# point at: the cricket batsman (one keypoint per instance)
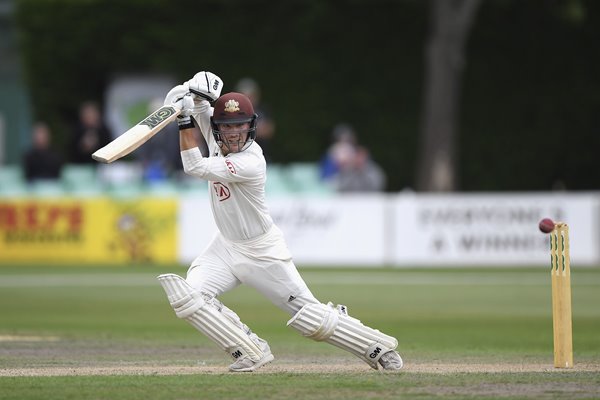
(248, 247)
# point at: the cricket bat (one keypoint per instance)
(136, 136)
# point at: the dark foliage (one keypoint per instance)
(530, 96)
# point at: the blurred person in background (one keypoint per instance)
(265, 125)
(343, 143)
(160, 155)
(89, 134)
(41, 160)
(248, 247)
(359, 173)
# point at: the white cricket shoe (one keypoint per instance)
(391, 361)
(245, 364)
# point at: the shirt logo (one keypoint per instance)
(232, 106)
(221, 191)
(230, 166)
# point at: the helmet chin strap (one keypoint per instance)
(242, 145)
(224, 144)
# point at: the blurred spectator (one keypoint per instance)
(341, 149)
(160, 156)
(88, 135)
(359, 173)
(265, 125)
(41, 161)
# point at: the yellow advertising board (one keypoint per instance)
(88, 231)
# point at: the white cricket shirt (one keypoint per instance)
(236, 183)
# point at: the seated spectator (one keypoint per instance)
(343, 139)
(359, 173)
(89, 134)
(160, 156)
(41, 161)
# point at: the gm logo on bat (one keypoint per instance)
(158, 116)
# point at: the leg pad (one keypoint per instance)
(189, 305)
(324, 322)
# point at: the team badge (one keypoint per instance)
(232, 106)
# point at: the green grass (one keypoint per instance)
(304, 386)
(111, 317)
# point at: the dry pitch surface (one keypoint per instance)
(53, 356)
(287, 367)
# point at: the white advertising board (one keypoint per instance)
(491, 229)
(415, 229)
(196, 226)
(318, 231)
(340, 231)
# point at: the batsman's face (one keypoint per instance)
(234, 136)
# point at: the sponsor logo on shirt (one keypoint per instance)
(230, 166)
(222, 191)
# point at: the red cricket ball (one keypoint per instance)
(546, 225)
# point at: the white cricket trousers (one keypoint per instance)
(263, 263)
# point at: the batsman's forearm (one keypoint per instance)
(187, 139)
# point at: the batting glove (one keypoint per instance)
(180, 98)
(206, 85)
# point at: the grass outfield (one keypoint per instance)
(109, 333)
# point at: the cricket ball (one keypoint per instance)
(546, 225)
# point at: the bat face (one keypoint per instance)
(136, 136)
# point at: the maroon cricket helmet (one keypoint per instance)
(233, 108)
